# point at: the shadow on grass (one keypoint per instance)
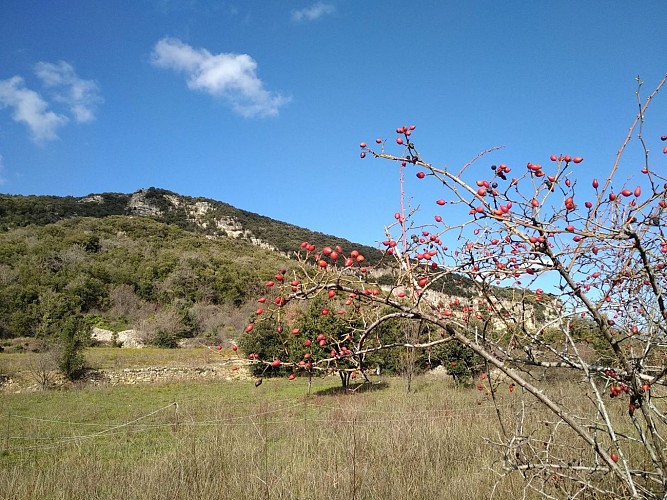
(352, 389)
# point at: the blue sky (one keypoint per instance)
(263, 104)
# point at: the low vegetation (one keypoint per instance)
(232, 440)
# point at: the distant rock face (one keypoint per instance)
(201, 213)
(138, 205)
(198, 212)
(126, 338)
(96, 198)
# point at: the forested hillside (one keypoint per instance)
(198, 215)
(121, 271)
(167, 265)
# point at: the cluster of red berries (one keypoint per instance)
(566, 158)
(405, 130)
(330, 255)
(618, 389)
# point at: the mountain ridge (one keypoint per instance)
(172, 266)
(200, 215)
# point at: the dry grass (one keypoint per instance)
(234, 441)
(110, 357)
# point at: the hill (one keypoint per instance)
(197, 215)
(172, 266)
(168, 265)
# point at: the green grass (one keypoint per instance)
(205, 439)
(232, 440)
(110, 357)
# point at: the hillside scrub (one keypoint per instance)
(122, 271)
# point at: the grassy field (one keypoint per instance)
(232, 440)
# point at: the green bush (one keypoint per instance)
(73, 338)
(459, 361)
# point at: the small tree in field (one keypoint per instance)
(72, 341)
(509, 231)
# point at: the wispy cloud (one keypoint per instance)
(63, 85)
(313, 12)
(230, 76)
(81, 96)
(31, 109)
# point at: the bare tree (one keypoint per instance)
(597, 244)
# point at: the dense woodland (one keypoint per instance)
(169, 274)
(119, 271)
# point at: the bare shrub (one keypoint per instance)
(598, 246)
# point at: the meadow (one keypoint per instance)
(233, 440)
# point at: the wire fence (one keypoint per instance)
(283, 412)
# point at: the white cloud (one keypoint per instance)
(231, 76)
(64, 86)
(31, 109)
(79, 95)
(313, 12)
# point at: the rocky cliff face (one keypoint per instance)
(201, 214)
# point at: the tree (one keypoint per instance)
(72, 341)
(600, 245)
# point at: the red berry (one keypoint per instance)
(399, 140)
(421, 175)
(235, 348)
(362, 145)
